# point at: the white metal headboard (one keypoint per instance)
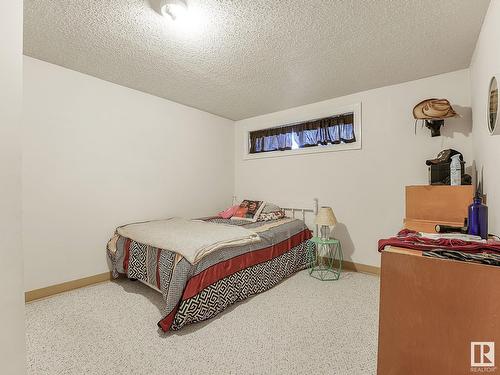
(301, 211)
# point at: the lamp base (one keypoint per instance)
(325, 232)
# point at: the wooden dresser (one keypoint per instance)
(430, 312)
(427, 206)
(432, 309)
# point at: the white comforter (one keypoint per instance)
(193, 239)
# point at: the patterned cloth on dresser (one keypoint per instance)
(482, 258)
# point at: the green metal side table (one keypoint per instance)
(324, 258)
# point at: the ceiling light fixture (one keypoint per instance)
(173, 8)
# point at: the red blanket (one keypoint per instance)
(409, 239)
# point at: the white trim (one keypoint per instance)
(354, 108)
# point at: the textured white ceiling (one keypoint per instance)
(241, 58)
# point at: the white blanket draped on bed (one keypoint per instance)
(193, 239)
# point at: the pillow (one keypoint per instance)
(275, 215)
(228, 213)
(248, 210)
(271, 207)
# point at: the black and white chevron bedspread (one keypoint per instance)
(194, 293)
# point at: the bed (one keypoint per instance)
(199, 291)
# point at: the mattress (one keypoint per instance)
(194, 293)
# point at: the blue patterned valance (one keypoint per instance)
(328, 130)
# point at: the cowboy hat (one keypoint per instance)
(434, 109)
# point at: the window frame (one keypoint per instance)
(354, 108)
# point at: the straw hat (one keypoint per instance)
(434, 109)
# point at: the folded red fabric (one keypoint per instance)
(409, 239)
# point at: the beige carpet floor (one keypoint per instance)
(302, 326)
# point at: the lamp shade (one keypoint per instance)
(326, 216)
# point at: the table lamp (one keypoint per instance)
(326, 220)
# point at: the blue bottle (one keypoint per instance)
(478, 218)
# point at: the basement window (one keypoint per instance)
(336, 132)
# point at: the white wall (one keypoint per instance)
(12, 349)
(486, 63)
(365, 187)
(98, 155)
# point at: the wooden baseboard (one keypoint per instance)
(362, 268)
(33, 295)
(36, 294)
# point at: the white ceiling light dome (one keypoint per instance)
(173, 8)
